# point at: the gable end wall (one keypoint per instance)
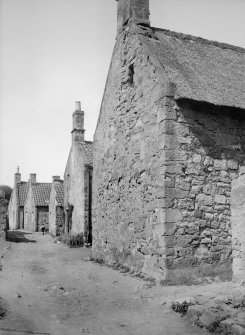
(125, 159)
(163, 175)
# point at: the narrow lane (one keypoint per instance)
(51, 289)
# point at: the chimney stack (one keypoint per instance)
(78, 124)
(17, 176)
(33, 178)
(138, 10)
(56, 179)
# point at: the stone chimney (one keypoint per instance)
(78, 124)
(138, 10)
(33, 178)
(17, 176)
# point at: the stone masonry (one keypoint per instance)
(3, 213)
(164, 167)
(56, 207)
(78, 180)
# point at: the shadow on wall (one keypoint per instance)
(18, 237)
(218, 129)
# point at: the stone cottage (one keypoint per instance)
(78, 180)
(169, 152)
(56, 207)
(36, 208)
(17, 202)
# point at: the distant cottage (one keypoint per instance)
(28, 207)
(78, 180)
(169, 153)
(17, 202)
(56, 207)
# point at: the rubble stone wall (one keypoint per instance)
(60, 220)
(3, 213)
(13, 210)
(42, 217)
(56, 217)
(204, 152)
(52, 212)
(124, 164)
(88, 173)
(163, 172)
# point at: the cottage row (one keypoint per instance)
(168, 155)
(61, 206)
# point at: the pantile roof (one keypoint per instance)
(59, 192)
(198, 69)
(41, 193)
(87, 147)
(22, 192)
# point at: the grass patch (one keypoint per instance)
(196, 276)
(73, 241)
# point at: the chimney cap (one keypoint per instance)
(56, 178)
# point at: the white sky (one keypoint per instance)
(54, 52)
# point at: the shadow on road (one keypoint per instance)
(18, 237)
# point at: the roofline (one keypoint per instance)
(200, 39)
(222, 108)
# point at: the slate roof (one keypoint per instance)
(87, 147)
(22, 192)
(59, 191)
(199, 69)
(41, 193)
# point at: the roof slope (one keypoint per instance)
(59, 193)
(22, 192)
(87, 148)
(41, 193)
(200, 69)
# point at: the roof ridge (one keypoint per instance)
(221, 45)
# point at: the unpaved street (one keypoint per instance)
(51, 289)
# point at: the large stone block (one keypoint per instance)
(168, 215)
(164, 228)
(220, 199)
(204, 199)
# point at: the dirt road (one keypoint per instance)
(51, 289)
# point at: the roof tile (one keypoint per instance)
(87, 147)
(22, 191)
(41, 193)
(59, 190)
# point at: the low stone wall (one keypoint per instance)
(3, 214)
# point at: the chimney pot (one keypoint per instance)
(17, 176)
